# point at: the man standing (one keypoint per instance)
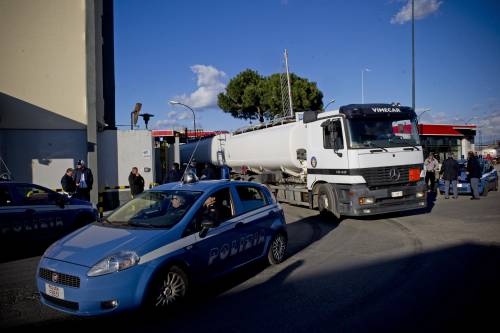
(136, 182)
(430, 165)
(68, 183)
(474, 173)
(84, 181)
(174, 175)
(450, 174)
(207, 173)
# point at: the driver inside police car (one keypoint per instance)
(177, 201)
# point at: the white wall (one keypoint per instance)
(119, 151)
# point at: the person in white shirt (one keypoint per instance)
(431, 165)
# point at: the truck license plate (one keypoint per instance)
(397, 194)
(54, 291)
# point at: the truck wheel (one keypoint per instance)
(326, 199)
(277, 248)
(169, 289)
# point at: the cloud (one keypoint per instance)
(210, 84)
(175, 120)
(423, 8)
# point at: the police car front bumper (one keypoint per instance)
(110, 293)
(359, 200)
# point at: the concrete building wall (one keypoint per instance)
(42, 161)
(52, 86)
(43, 67)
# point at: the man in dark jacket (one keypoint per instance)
(174, 175)
(68, 183)
(474, 173)
(136, 182)
(207, 173)
(450, 174)
(84, 181)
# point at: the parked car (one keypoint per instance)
(151, 250)
(487, 182)
(32, 215)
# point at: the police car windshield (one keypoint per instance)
(382, 132)
(154, 209)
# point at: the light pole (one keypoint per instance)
(332, 101)
(413, 54)
(421, 113)
(363, 84)
(475, 117)
(194, 115)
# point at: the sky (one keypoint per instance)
(189, 50)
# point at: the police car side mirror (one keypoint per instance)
(206, 224)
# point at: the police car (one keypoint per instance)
(151, 250)
(31, 214)
(487, 182)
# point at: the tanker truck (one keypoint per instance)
(363, 159)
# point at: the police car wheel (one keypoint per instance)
(277, 248)
(170, 288)
(485, 191)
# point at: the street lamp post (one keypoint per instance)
(421, 113)
(332, 101)
(194, 115)
(475, 117)
(363, 84)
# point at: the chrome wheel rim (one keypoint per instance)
(279, 247)
(173, 288)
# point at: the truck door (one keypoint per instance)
(328, 158)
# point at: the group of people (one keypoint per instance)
(450, 172)
(175, 174)
(78, 183)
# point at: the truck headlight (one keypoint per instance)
(366, 200)
(114, 263)
(420, 194)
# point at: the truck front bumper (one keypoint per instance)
(359, 200)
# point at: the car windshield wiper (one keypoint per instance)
(375, 145)
(146, 225)
(406, 142)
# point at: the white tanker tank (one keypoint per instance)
(271, 149)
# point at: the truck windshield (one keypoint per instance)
(154, 209)
(383, 133)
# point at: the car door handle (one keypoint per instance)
(239, 225)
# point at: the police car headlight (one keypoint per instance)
(114, 263)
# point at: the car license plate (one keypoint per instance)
(397, 194)
(54, 291)
(459, 185)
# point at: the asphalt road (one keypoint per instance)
(434, 270)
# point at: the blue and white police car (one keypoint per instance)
(153, 248)
(487, 182)
(33, 215)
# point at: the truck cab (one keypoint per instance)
(369, 162)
